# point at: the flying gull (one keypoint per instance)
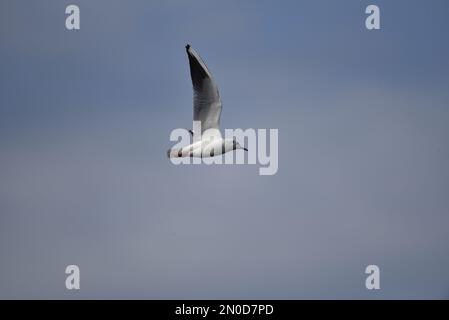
(207, 111)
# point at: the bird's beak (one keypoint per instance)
(245, 149)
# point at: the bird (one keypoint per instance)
(207, 110)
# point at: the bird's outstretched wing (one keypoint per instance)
(206, 99)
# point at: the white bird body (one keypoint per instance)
(204, 148)
(206, 110)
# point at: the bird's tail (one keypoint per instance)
(174, 153)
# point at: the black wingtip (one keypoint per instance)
(187, 46)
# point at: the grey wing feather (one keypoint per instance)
(206, 99)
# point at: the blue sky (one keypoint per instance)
(85, 119)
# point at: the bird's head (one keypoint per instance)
(236, 145)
